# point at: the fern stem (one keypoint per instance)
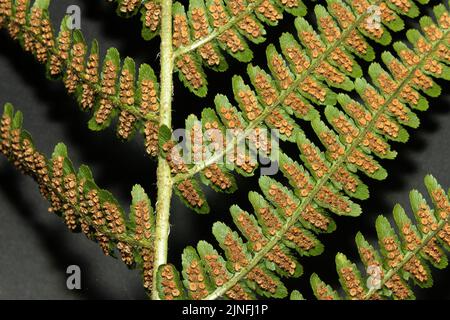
(320, 183)
(408, 256)
(268, 110)
(217, 31)
(164, 179)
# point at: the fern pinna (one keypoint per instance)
(404, 256)
(312, 79)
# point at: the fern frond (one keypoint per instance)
(271, 104)
(111, 92)
(402, 255)
(74, 195)
(322, 177)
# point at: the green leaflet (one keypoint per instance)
(403, 253)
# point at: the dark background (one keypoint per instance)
(35, 246)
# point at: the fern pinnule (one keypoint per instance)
(403, 254)
(83, 205)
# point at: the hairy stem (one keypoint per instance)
(408, 256)
(321, 182)
(164, 179)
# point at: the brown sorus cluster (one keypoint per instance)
(443, 52)
(235, 252)
(83, 209)
(356, 42)
(344, 16)
(127, 6)
(232, 118)
(20, 18)
(283, 200)
(200, 30)
(298, 58)
(334, 148)
(152, 15)
(5, 10)
(386, 13)
(268, 10)
(56, 60)
(250, 104)
(281, 71)
(375, 29)
(423, 46)
(403, 5)
(290, 3)
(342, 59)
(188, 68)
(282, 260)
(314, 217)
(296, 235)
(169, 286)
(247, 24)
(217, 177)
(220, 18)
(71, 195)
(363, 161)
(143, 231)
(353, 284)
(313, 88)
(302, 184)
(189, 193)
(422, 80)
(5, 129)
(196, 278)
(151, 138)
(220, 277)
(91, 78)
(348, 129)
(57, 181)
(313, 158)
(410, 95)
(314, 44)
(296, 104)
(346, 179)
(30, 44)
(108, 89)
(214, 135)
(258, 138)
(442, 203)
(358, 113)
(329, 72)
(387, 127)
(196, 143)
(444, 20)
(433, 66)
(262, 279)
(48, 42)
(180, 31)
(126, 119)
(149, 97)
(277, 120)
(270, 220)
(330, 30)
(375, 101)
(375, 143)
(267, 90)
(116, 225)
(323, 292)
(174, 158)
(325, 195)
(428, 224)
(98, 218)
(399, 70)
(75, 67)
(368, 258)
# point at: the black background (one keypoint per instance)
(35, 246)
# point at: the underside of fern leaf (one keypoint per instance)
(403, 256)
